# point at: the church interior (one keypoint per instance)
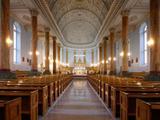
(79, 59)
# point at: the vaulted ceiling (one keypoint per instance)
(80, 23)
(79, 20)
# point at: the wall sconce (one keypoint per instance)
(37, 53)
(102, 62)
(150, 42)
(129, 54)
(109, 59)
(30, 53)
(122, 54)
(9, 42)
(114, 59)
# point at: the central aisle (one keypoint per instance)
(79, 102)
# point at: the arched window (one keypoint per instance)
(16, 43)
(143, 44)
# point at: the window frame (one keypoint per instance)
(143, 44)
(16, 43)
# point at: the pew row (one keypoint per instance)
(128, 103)
(29, 102)
(42, 95)
(109, 88)
(10, 108)
(48, 87)
(147, 109)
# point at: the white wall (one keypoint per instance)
(134, 38)
(26, 35)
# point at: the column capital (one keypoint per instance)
(105, 38)
(100, 44)
(58, 44)
(46, 29)
(125, 12)
(34, 12)
(112, 30)
(54, 38)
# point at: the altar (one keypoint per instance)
(80, 68)
(79, 71)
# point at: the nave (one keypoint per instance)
(112, 45)
(79, 102)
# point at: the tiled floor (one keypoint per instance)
(79, 102)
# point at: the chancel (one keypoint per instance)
(79, 59)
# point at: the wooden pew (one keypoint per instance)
(147, 110)
(56, 84)
(109, 88)
(108, 91)
(38, 82)
(42, 94)
(10, 108)
(60, 82)
(21, 74)
(115, 95)
(137, 75)
(128, 103)
(29, 102)
(102, 89)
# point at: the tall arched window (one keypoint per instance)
(16, 43)
(143, 44)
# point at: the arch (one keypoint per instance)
(55, 1)
(17, 26)
(78, 21)
(84, 12)
(16, 43)
(74, 9)
(143, 31)
(93, 30)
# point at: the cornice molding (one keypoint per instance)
(42, 5)
(46, 29)
(125, 12)
(33, 12)
(116, 8)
